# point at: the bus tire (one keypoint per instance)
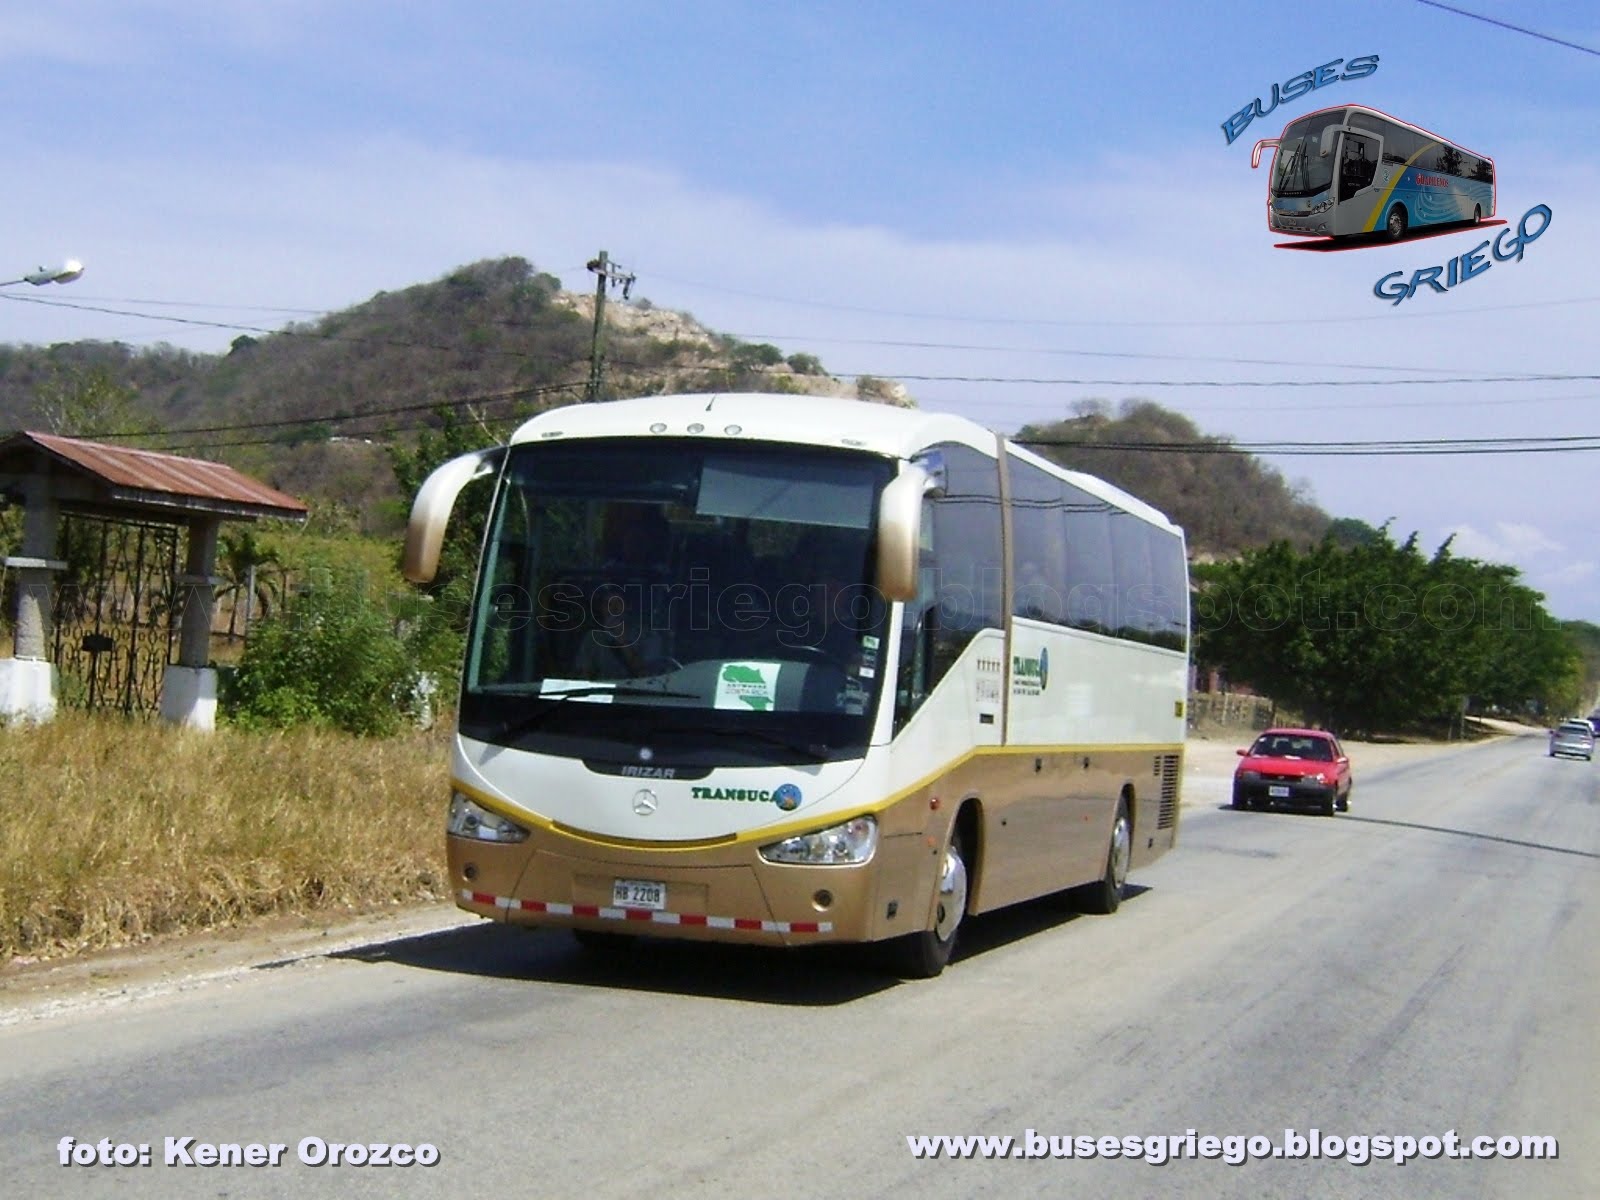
(1477, 214)
(1104, 896)
(924, 955)
(1394, 225)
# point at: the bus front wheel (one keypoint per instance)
(1395, 226)
(924, 955)
(1104, 896)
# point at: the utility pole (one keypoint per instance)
(608, 274)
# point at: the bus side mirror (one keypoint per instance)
(1255, 152)
(900, 533)
(430, 512)
(1328, 135)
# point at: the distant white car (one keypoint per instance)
(1572, 738)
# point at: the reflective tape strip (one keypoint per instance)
(556, 909)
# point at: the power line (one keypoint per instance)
(1214, 383)
(1138, 355)
(316, 335)
(1411, 449)
(211, 304)
(353, 415)
(1091, 322)
(1507, 25)
(1074, 353)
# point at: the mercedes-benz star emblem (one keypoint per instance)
(644, 802)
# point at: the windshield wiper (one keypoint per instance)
(529, 719)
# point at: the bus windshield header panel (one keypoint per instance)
(708, 601)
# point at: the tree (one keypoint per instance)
(90, 402)
(1376, 635)
(239, 559)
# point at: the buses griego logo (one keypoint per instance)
(1297, 86)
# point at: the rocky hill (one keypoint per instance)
(319, 408)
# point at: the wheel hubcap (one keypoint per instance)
(1121, 851)
(952, 895)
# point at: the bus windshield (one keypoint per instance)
(1300, 169)
(684, 602)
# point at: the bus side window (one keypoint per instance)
(967, 554)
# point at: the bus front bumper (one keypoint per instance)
(728, 895)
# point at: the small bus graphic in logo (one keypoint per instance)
(786, 796)
(1353, 171)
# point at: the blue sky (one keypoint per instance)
(1037, 190)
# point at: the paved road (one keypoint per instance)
(1428, 962)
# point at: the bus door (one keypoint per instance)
(1357, 180)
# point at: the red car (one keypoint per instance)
(1294, 766)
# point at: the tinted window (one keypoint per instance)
(1091, 585)
(1169, 578)
(967, 553)
(1039, 541)
(1370, 124)
(1399, 145)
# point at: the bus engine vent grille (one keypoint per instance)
(1168, 815)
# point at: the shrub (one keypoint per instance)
(333, 659)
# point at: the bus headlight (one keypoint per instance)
(469, 819)
(853, 841)
(1325, 206)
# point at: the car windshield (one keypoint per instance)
(1282, 745)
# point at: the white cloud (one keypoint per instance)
(1509, 542)
(327, 224)
(1572, 573)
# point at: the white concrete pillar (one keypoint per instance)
(28, 680)
(189, 689)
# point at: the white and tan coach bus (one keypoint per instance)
(765, 669)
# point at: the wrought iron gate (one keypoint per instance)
(116, 613)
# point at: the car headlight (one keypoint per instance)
(1250, 776)
(850, 842)
(470, 819)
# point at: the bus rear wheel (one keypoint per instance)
(924, 955)
(1395, 226)
(1104, 896)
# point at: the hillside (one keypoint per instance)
(316, 408)
(1225, 501)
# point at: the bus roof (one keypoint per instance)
(1380, 115)
(763, 416)
(804, 420)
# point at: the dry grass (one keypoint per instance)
(112, 831)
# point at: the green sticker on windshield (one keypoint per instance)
(748, 685)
